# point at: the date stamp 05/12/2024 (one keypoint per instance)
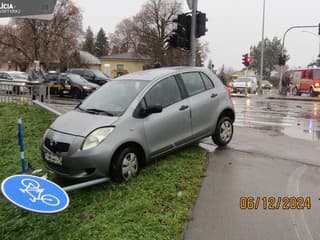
(275, 203)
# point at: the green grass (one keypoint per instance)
(155, 205)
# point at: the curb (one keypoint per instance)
(307, 99)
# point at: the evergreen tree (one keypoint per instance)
(88, 44)
(101, 45)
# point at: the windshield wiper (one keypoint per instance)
(98, 111)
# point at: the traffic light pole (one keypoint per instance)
(192, 61)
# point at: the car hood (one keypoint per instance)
(81, 123)
(93, 85)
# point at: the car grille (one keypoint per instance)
(58, 168)
(56, 147)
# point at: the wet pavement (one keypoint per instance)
(298, 119)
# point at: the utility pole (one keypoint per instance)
(192, 61)
(262, 47)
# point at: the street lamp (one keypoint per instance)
(262, 45)
(318, 36)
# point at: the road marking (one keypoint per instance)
(299, 222)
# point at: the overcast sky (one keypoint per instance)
(233, 26)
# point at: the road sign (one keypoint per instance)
(34, 8)
(35, 194)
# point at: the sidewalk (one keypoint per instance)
(248, 168)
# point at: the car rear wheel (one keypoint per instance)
(76, 93)
(313, 93)
(125, 165)
(224, 132)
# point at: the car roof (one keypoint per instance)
(156, 73)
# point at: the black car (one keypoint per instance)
(76, 86)
(93, 76)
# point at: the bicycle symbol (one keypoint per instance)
(32, 188)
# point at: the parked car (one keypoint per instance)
(245, 85)
(265, 84)
(93, 76)
(136, 118)
(74, 85)
(14, 81)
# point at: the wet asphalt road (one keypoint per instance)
(275, 152)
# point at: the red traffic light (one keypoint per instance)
(246, 60)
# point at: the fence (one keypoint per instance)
(23, 92)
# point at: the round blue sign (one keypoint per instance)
(35, 194)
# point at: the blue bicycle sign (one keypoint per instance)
(34, 194)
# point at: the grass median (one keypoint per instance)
(155, 205)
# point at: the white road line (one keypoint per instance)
(297, 216)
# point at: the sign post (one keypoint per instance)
(21, 144)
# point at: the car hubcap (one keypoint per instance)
(226, 131)
(129, 166)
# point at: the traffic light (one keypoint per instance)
(201, 24)
(246, 59)
(180, 37)
(282, 59)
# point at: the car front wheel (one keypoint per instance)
(125, 165)
(224, 132)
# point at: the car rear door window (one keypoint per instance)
(193, 82)
(164, 93)
(207, 81)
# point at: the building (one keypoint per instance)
(118, 64)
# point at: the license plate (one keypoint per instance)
(53, 158)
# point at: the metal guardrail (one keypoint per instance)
(23, 92)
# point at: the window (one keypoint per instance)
(193, 82)
(304, 74)
(164, 93)
(310, 74)
(207, 81)
(317, 74)
(120, 67)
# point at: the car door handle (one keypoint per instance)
(213, 95)
(183, 107)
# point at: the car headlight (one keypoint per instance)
(317, 85)
(96, 137)
(87, 87)
(248, 84)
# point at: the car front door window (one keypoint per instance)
(164, 93)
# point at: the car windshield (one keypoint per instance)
(77, 79)
(99, 74)
(114, 97)
(265, 82)
(242, 80)
(18, 75)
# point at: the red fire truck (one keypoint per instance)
(305, 80)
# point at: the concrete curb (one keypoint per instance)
(307, 99)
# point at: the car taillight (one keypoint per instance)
(228, 90)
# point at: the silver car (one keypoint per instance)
(135, 118)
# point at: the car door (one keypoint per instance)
(203, 97)
(171, 127)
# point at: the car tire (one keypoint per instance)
(223, 132)
(313, 93)
(76, 93)
(125, 165)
